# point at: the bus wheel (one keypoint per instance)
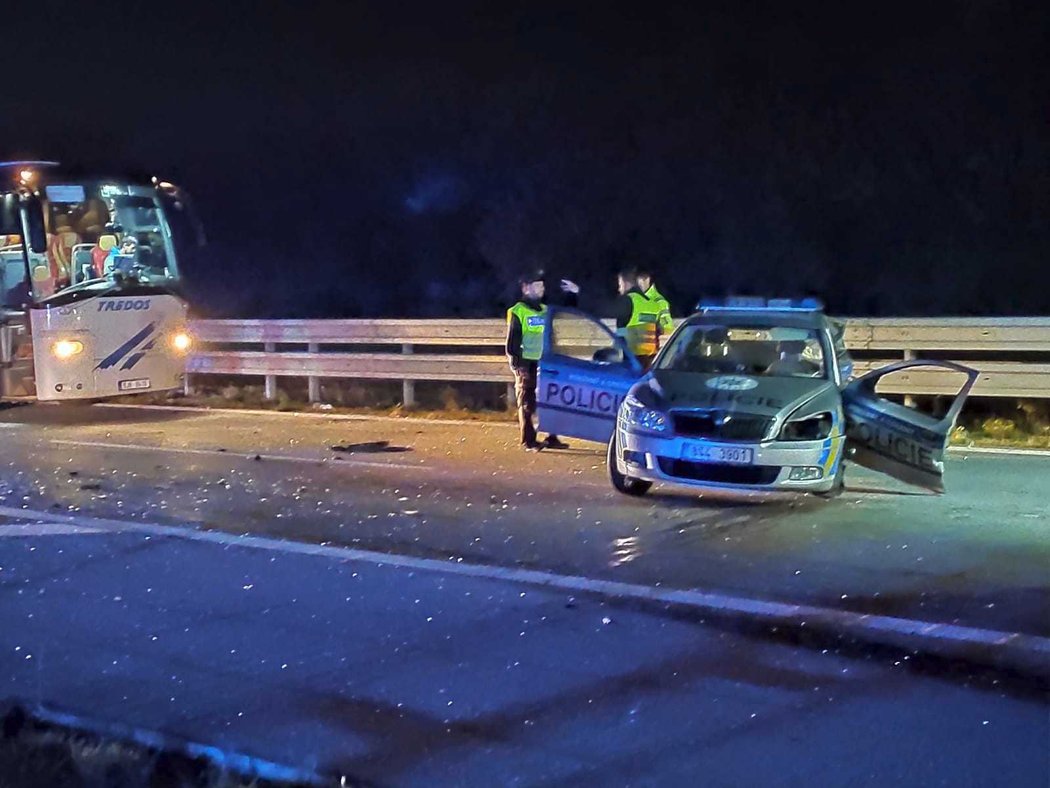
(621, 481)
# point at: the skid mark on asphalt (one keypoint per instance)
(740, 519)
(703, 524)
(341, 462)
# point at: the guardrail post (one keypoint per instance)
(313, 382)
(270, 390)
(408, 387)
(909, 400)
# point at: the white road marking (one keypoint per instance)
(999, 450)
(328, 462)
(308, 415)
(884, 628)
(242, 455)
(458, 422)
(45, 529)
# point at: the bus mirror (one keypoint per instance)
(35, 224)
(10, 220)
(182, 215)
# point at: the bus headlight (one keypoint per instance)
(181, 341)
(66, 348)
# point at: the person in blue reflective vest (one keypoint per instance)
(525, 322)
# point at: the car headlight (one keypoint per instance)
(639, 418)
(182, 342)
(66, 348)
(811, 428)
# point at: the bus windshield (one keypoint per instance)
(100, 236)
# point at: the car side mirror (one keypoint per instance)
(35, 231)
(609, 355)
(10, 218)
(11, 208)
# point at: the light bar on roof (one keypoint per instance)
(758, 303)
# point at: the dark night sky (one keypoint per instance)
(410, 158)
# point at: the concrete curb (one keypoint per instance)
(237, 764)
(1014, 651)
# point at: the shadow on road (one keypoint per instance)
(370, 447)
(946, 598)
(886, 491)
(728, 499)
(74, 414)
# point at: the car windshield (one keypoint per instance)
(778, 351)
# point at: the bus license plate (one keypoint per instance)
(700, 452)
(133, 385)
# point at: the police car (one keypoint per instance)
(746, 394)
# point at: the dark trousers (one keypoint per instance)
(525, 395)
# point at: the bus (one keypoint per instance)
(90, 299)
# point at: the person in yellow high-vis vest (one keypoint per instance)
(664, 322)
(637, 318)
(525, 322)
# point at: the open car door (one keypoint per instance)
(837, 331)
(584, 375)
(896, 440)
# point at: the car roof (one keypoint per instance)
(761, 318)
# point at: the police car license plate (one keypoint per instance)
(133, 385)
(701, 452)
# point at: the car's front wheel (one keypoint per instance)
(628, 485)
(839, 484)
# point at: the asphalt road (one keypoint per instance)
(298, 651)
(395, 676)
(977, 555)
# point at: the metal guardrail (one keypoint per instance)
(472, 350)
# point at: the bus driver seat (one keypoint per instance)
(101, 253)
(60, 250)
